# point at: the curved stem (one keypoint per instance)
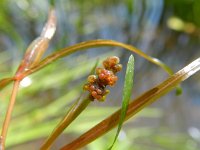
(8, 115)
(91, 44)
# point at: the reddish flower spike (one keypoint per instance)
(105, 76)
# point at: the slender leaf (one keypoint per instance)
(128, 86)
(91, 44)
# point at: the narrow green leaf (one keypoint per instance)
(128, 85)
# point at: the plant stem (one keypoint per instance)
(91, 44)
(4, 82)
(73, 112)
(135, 106)
(8, 115)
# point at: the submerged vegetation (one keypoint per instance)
(40, 105)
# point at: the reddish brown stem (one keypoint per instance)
(8, 115)
(5, 82)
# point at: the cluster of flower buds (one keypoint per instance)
(104, 76)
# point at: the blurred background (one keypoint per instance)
(166, 29)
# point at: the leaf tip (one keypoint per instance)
(179, 91)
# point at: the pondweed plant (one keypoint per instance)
(94, 89)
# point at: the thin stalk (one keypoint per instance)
(71, 115)
(4, 82)
(134, 107)
(91, 44)
(8, 115)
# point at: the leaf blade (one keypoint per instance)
(128, 86)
